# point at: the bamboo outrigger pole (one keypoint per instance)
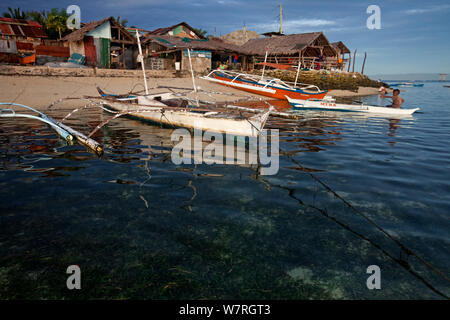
(264, 66)
(141, 60)
(193, 78)
(42, 117)
(298, 70)
(64, 131)
(192, 70)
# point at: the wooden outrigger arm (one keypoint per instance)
(10, 113)
(65, 132)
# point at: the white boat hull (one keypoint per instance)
(188, 118)
(327, 105)
(241, 85)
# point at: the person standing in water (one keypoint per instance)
(397, 101)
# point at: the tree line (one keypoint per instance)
(54, 21)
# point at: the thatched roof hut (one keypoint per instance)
(306, 44)
(239, 37)
(340, 47)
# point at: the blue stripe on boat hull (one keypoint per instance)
(287, 89)
(298, 108)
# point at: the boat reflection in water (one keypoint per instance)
(127, 140)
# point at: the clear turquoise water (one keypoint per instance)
(141, 227)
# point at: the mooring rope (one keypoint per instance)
(402, 246)
(77, 109)
(408, 251)
(402, 263)
(105, 122)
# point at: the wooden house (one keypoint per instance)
(312, 49)
(104, 43)
(167, 52)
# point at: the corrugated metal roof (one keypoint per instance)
(22, 28)
(24, 46)
(16, 29)
(164, 31)
(79, 34)
(5, 29)
(33, 32)
(7, 20)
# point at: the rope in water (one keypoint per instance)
(408, 251)
(402, 263)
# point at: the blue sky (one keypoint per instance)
(414, 35)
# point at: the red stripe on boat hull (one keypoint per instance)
(279, 93)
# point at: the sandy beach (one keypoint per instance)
(40, 91)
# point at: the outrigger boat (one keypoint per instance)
(330, 104)
(213, 119)
(406, 84)
(270, 87)
(168, 109)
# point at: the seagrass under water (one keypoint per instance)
(141, 227)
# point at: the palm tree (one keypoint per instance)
(122, 22)
(15, 13)
(39, 17)
(201, 32)
(56, 22)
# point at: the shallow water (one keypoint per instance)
(141, 227)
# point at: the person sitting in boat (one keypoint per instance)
(397, 101)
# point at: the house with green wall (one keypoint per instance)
(104, 43)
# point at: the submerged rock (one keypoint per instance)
(301, 273)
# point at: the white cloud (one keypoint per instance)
(427, 10)
(293, 26)
(309, 23)
(131, 3)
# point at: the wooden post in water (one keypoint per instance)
(364, 63)
(354, 58)
(349, 61)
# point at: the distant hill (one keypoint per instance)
(239, 37)
(408, 76)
